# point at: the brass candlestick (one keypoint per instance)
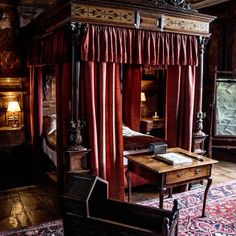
(155, 117)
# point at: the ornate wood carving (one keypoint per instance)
(177, 3)
(198, 135)
(75, 135)
(168, 16)
(9, 60)
(185, 25)
(165, 22)
(139, 19)
(74, 124)
(103, 14)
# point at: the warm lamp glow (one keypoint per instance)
(143, 97)
(13, 106)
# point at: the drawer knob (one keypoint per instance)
(197, 171)
(179, 174)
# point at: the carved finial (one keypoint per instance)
(185, 4)
(199, 123)
(76, 30)
(175, 210)
(75, 135)
(175, 206)
(203, 42)
(166, 226)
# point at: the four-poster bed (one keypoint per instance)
(94, 45)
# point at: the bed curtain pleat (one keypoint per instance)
(135, 46)
(102, 50)
(63, 93)
(132, 76)
(36, 115)
(180, 92)
(102, 96)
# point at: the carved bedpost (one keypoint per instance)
(74, 124)
(198, 135)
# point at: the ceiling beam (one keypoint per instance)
(8, 3)
(198, 4)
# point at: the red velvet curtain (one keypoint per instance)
(63, 92)
(113, 45)
(180, 106)
(52, 49)
(135, 46)
(102, 95)
(132, 75)
(36, 114)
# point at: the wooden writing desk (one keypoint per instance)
(167, 176)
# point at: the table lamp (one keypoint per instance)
(14, 107)
(143, 97)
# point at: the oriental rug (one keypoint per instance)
(53, 228)
(220, 211)
(220, 217)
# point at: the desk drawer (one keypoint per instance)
(187, 174)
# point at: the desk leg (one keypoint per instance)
(127, 174)
(161, 197)
(209, 181)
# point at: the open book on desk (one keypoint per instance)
(173, 158)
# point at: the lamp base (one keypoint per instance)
(15, 125)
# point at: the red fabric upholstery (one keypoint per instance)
(135, 180)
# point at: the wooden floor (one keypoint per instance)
(36, 201)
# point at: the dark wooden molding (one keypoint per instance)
(143, 15)
(198, 4)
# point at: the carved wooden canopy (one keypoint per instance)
(157, 15)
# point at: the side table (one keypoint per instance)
(148, 124)
(165, 176)
(10, 137)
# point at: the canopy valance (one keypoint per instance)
(119, 45)
(133, 46)
(51, 49)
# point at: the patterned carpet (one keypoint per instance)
(220, 210)
(54, 228)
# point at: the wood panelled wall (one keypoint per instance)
(10, 63)
(220, 51)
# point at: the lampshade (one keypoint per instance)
(13, 106)
(143, 97)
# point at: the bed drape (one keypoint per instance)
(132, 48)
(135, 46)
(131, 86)
(36, 115)
(63, 92)
(102, 50)
(139, 47)
(180, 85)
(104, 117)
